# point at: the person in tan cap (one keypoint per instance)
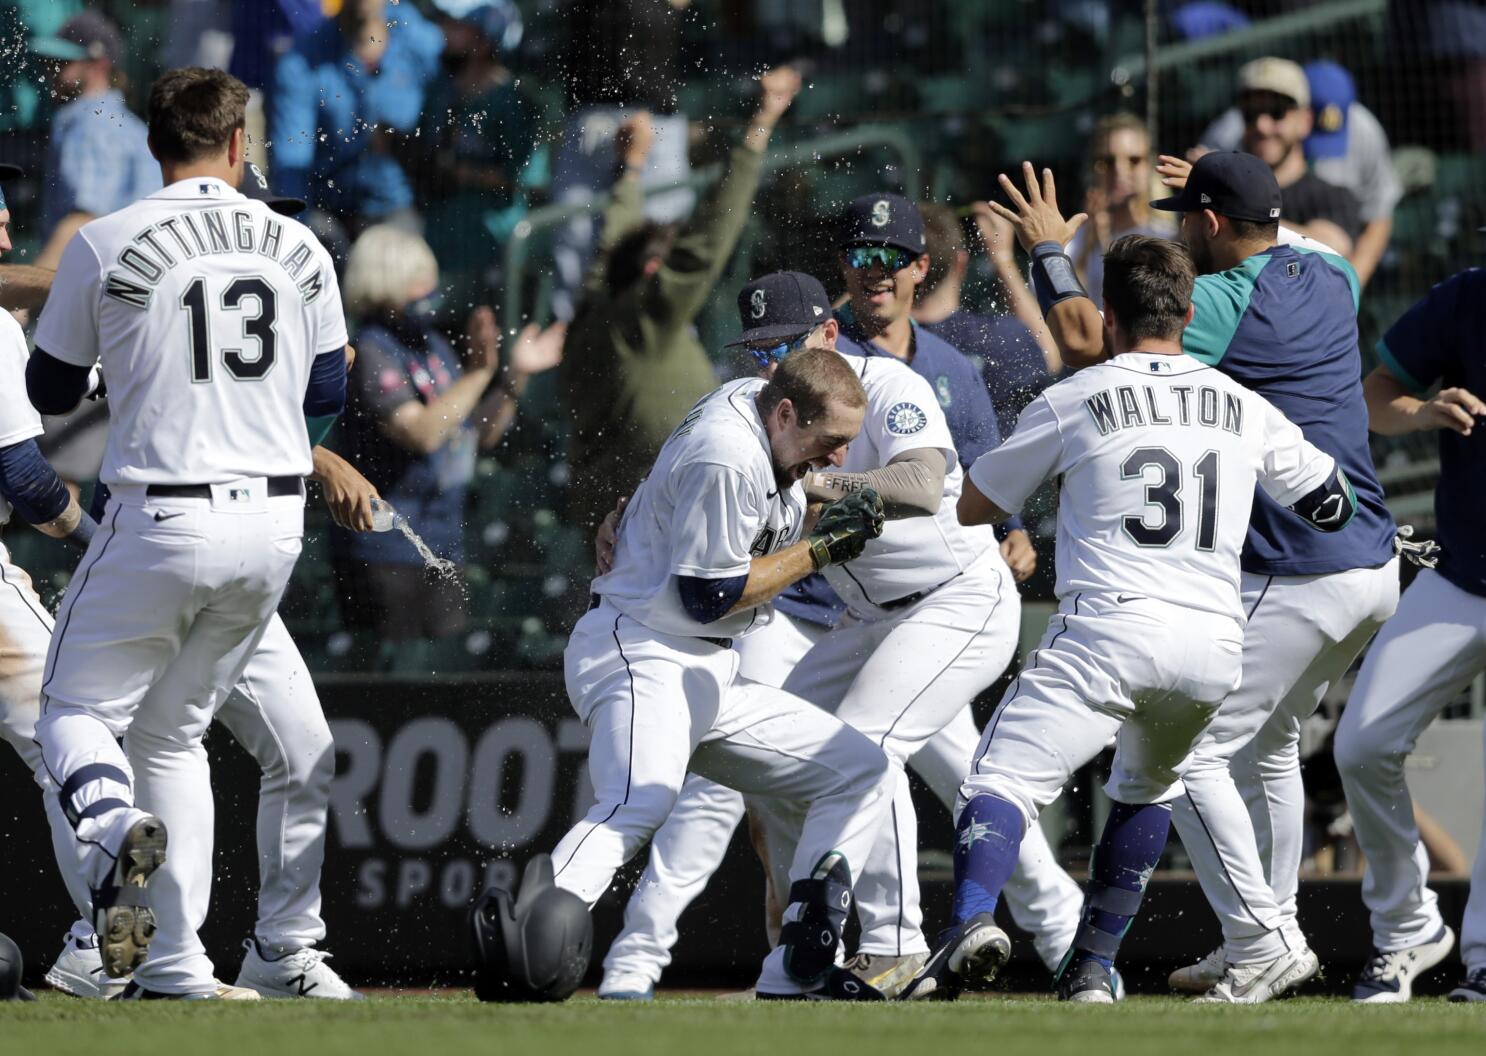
(1274, 101)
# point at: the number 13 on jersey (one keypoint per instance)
(250, 298)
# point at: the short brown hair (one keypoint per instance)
(946, 240)
(1148, 282)
(810, 379)
(193, 113)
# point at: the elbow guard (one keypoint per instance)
(1053, 276)
(30, 485)
(1330, 507)
(55, 387)
(707, 600)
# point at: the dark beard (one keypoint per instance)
(1202, 257)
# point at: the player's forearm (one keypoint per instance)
(912, 485)
(23, 287)
(1077, 332)
(65, 523)
(1391, 409)
(769, 575)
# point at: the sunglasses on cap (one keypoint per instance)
(859, 258)
(767, 354)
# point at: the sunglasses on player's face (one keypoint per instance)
(1275, 108)
(766, 354)
(860, 258)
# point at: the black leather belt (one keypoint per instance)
(278, 487)
(721, 643)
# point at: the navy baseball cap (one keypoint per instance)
(780, 307)
(883, 220)
(1230, 183)
(86, 35)
(1332, 95)
(255, 186)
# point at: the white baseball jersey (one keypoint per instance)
(913, 553)
(709, 506)
(18, 419)
(1158, 456)
(205, 309)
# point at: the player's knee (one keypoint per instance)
(644, 810)
(1360, 751)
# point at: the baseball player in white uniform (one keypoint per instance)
(707, 541)
(273, 712)
(220, 326)
(1279, 316)
(1431, 648)
(903, 673)
(1158, 456)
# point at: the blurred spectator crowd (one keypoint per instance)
(543, 210)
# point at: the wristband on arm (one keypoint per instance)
(1053, 276)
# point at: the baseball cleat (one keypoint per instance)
(78, 970)
(967, 959)
(1472, 989)
(1388, 978)
(1088, 982)
(134, 992)
(1201, 977)
(884, 973)
(122, 917)
(622, 987)
(839, 985)
(299, 973)
(1253, 984)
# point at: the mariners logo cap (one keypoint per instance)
(781, 307)
(883, 220)
(1332, 96)
(1230, 183)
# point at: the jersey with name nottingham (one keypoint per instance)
(205, 310)
(1158, 456)
(709, 506)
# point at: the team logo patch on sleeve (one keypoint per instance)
(905, 419)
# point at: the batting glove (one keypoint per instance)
(844, 528)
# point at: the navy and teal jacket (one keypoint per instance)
(1442, 339)
(1284, 323)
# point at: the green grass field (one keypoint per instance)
(437, 1026)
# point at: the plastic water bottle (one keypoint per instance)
(384, 517)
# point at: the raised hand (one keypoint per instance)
(1035, 216)
(778, 88)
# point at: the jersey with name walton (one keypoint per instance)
(913, 554)
(1159, 457)
(205, 310)
(1284, 323)
(708, 507)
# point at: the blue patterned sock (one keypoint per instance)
(1129, 848)
(987, 839)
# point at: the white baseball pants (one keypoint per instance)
(1426, 654)
(659, 705)
(1147, 674)
(1242, 817)
(900, 681)
(273, 712)
(175, 591)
